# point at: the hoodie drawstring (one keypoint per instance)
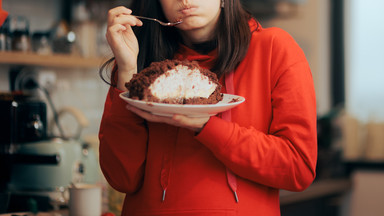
(167, 160)
(166, 166)
(164, 178)
(232, 182)
(231, 177)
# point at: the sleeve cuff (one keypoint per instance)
(216, 134)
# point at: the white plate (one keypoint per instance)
(192, 110)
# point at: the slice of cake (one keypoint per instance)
(175, 82)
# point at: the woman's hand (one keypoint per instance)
(194, 124)
(123, 42)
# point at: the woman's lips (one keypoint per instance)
(188, 10)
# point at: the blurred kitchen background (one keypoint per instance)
(52, 99)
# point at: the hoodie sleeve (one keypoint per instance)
(123, 145)
(284, 155)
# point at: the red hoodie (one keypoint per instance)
(269, 144)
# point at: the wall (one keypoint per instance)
(80, 88)
(37, 12)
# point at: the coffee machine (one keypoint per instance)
(21, 121)
(33, 164)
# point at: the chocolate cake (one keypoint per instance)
(175, 82)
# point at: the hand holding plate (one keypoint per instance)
(195, 124)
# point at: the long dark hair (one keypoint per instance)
(158, 43)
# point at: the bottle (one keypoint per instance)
(20, 36)
(5, 36)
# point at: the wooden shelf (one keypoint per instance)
(55, 60)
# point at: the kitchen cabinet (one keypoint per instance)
(54, 60)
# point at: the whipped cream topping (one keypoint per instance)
(182, 82)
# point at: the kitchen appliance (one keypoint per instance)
(49, 164)
(43, 170)
(22, 119)
(33, 165)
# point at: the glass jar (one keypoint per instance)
(5, 36)
(20, 36)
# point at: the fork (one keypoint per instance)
(160, 22)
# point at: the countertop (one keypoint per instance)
(318, 189)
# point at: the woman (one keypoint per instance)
(230, 164)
